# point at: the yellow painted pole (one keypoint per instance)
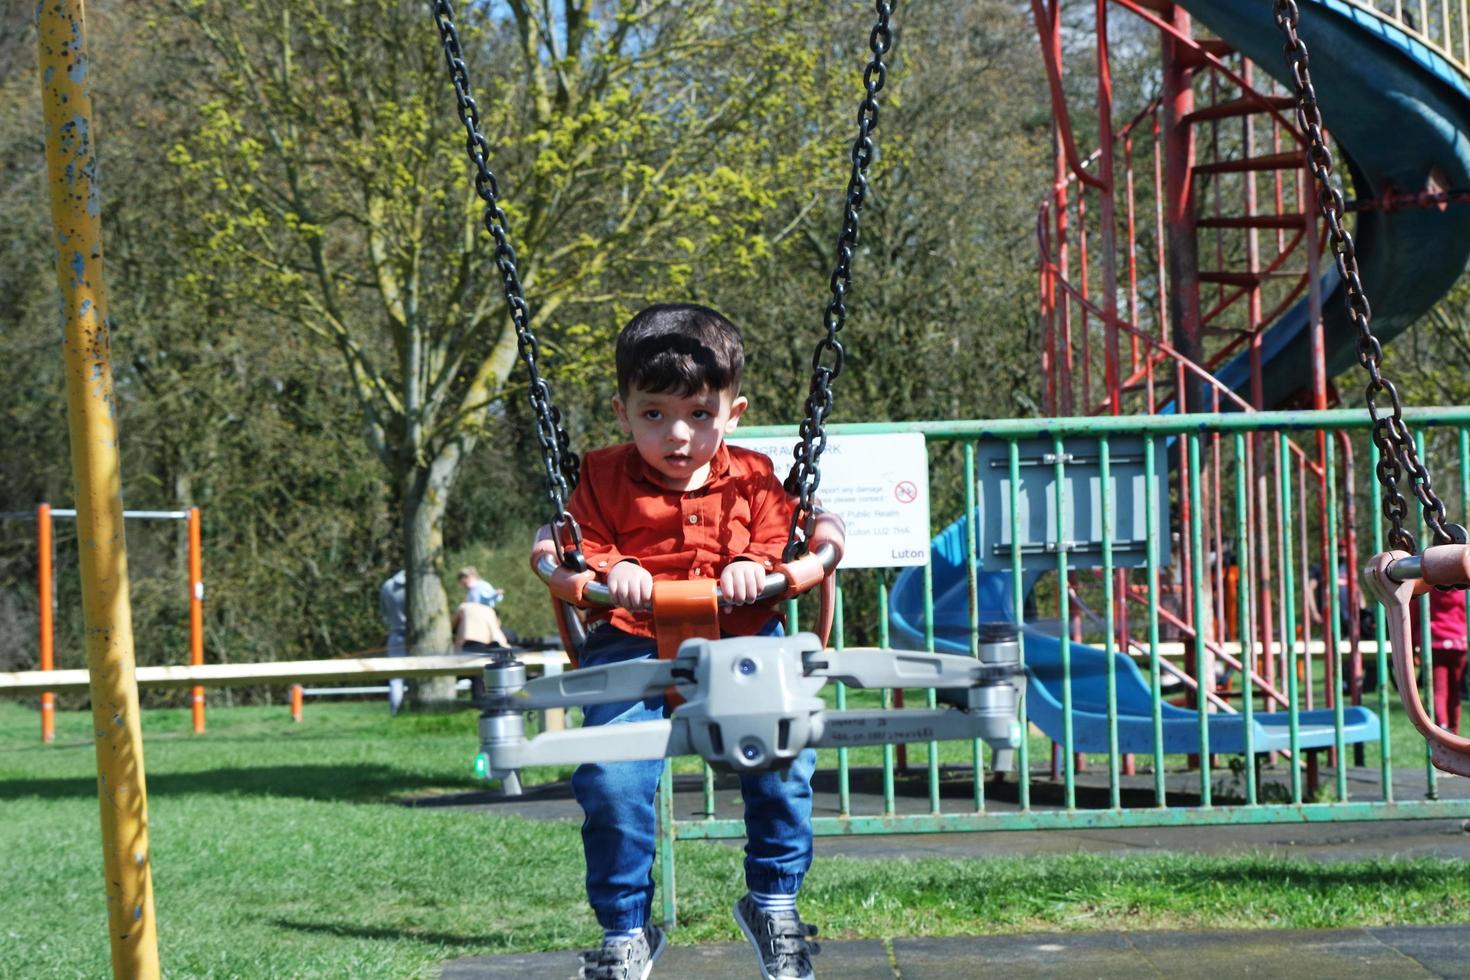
(71, 160)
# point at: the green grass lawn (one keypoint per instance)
(281, 850)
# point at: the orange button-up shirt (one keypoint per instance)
(741, 512)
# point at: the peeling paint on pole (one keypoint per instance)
(71, 158)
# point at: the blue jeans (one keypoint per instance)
(619, 833)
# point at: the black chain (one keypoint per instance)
(806, 472)
(1397, 454)
(560, 462)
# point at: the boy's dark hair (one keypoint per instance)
(679, 348)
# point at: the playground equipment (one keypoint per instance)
(43, 515)
(76, 219)
(686, 610)
(1193, 387)
(1181, 270)
(1110, 707)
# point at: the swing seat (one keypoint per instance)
(1396, 578)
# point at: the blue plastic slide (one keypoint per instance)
(1089, 672)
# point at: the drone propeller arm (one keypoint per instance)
(631, 680)
(876, 667)
(629, 742)
(844, 729)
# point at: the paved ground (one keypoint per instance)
(1438, 951)
(1346, 954)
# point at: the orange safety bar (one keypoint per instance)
(196, 616)
(569, 588)
(48, 637)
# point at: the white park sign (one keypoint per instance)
(878, 484)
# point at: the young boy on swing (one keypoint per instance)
(676, 503)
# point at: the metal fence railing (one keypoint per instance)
(1443, 25)
(1236, 629)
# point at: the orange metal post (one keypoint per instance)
(196, 616)
(297, 696)
(48, 639)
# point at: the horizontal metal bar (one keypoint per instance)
(774, 585)
(1070, 547)
(934, 823)
(1294, 421)
(327, 692)
(141, 515)
(281, 672)
(1070, 459)
(1405, 569)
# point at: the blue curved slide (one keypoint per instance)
(1399, 113)
(1089, 672)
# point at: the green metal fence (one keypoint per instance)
(1281, 492)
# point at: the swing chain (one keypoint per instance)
(560, 462)
(827, 359)
(1397, 454)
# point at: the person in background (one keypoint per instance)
(393, 610)
(1447, 644)
(476, 629)
(477, 589)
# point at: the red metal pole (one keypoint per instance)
(1109, 219)
(1048, 365)
(1354, 597)
(1084, 276)
(47, 630)
(1179, 213)
(297, 695)
(1064, 333)
(1160, 261)
(196, 615)
(1132, 255)
(1325, 557)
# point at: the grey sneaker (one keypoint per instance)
(781, 940)
(631, 960)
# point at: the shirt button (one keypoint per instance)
(693, 518)
(602, 564)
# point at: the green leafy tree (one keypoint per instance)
(641, 139)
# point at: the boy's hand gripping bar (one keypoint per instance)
(1396, 578)
(581, 588)
(751, 703)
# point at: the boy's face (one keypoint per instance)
(678, 435)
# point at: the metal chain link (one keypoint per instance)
(560, 462)
(1397, 453)
(827, 359)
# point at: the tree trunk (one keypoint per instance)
(425, 497)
